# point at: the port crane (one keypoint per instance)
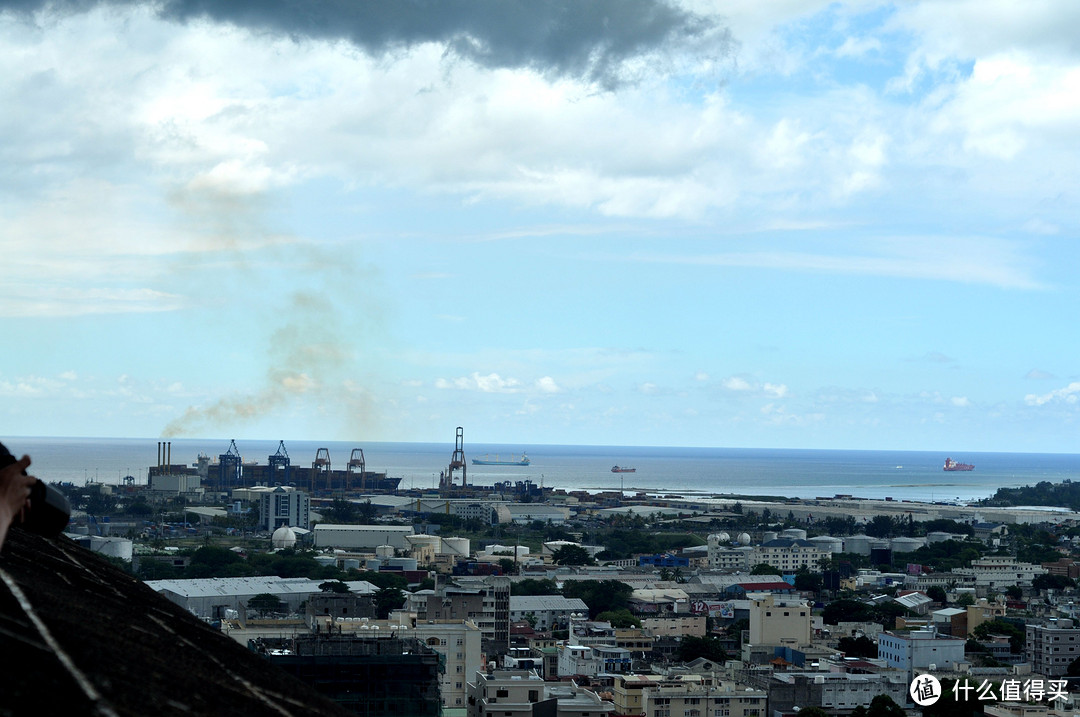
(457, 460)
(356, 465)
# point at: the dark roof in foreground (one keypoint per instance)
(80, 636)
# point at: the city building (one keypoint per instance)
(521, 693)
(780, 622)
(788, 554)
(1052, 647)
(363, 673)
(361, 536)
(920, 650)
(548, 611)
(833, 692)
(686, 695)
(284, 507)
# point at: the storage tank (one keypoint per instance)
(744, 538)
(857, 544)
(325, 560)
(384, 551)
(768, 536)
(793, 533)
(457, 546)
(350, 564)
(828, 543)
(283, 538)
(906, 545)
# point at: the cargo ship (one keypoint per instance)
(485, 461)
(231, 471)
(623, 469)
(951, 465)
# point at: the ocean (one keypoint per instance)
(796, 473)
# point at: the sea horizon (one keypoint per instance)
(783, 472)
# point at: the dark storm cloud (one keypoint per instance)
(589, 39)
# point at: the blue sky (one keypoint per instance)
(787, 224)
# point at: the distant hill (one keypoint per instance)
(1061, 495)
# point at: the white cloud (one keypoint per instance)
(547, 385)
(778, 390)
(735, 383)
(960, 401)
(1068, 394)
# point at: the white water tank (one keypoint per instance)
(457, 546)
(283, 538)
(793, 534)
(906, 545)
(768, 536)
(350, 564)
(384, 551)
(828, 543)
(744, 538)
(857, 544)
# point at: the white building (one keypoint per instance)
(549, 611)
(361, 536)
(211, 597)
(284, 506)
(701, 695)
(514, 692)
(780, 622)
(1052, 647)
(919, 649)
(997, 572)
(593, 660)
(788, 555)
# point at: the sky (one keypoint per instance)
(786, 224)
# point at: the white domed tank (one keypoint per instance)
(724, 537)
(432, 541)
(384, 551)
(768, 536)
(714, 540)
(828, 543)
(857, 544)
(793, 534)
(458, 546)
(906, 545)
(744, 538)
(283, 537)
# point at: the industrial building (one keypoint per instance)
(359, 537)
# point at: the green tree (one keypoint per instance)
(600, 596)
(534, 586)
(691, 648)
(813, 712)
(264, 603)
(334, 586)
(861, 646)
(937, 594)
(572, 555)
(884, 706)
(764, 569)
(211, 561)
(619, 618)
(387, 600)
